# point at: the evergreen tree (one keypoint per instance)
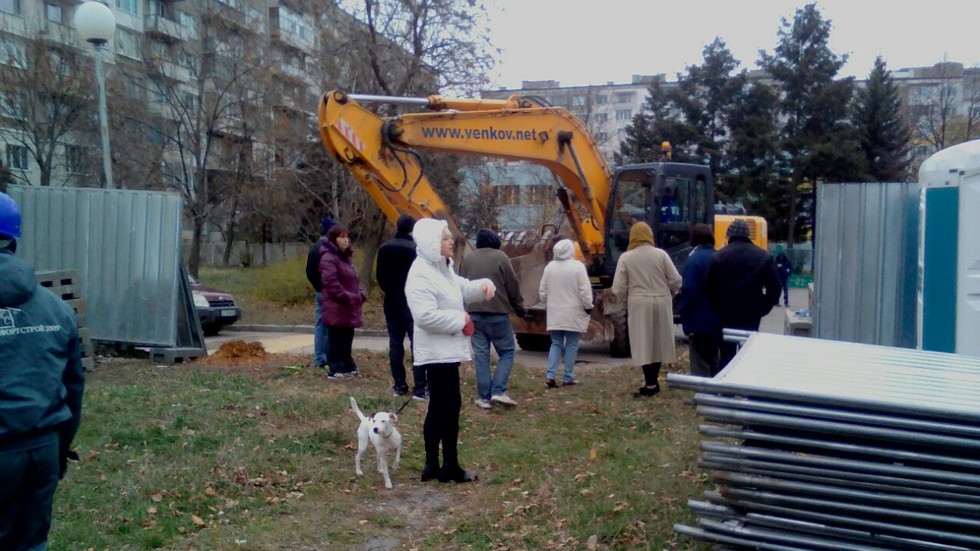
(703, 98)
(884, 136)
(652, 126)
(753, 169)
(816, 139)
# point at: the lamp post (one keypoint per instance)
(96, 24)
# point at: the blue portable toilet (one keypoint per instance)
(948, 298)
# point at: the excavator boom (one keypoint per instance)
(380, 152)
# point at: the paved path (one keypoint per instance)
(301, 342)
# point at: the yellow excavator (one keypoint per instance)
(600, 204)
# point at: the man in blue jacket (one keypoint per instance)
(698, 318)
(320, 341)
(41, 384)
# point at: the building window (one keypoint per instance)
(128, 6)
(189, 24)
(16, 157)
(12, 53)
(54, 13)
(127, 43)
(509, 195)
(602, 99)
(601, 117)
(601, 137)
(186, 60)
(624, 114)
(578, 101)
(624, 97)
(74, 159)
(10, 6)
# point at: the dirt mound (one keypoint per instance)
(237, 353)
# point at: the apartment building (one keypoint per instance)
(168, 56)
(607, 109)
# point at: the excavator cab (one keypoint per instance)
(670, 197)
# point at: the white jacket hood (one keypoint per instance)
(564, 249)
(428, 238)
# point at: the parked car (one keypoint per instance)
(215, 307)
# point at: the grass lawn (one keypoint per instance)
(253, 454)
(280, 295)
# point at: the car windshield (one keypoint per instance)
(192, 279)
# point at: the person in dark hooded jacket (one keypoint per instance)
(741, 284)
(340, 301)
(491, 319)
(41, 384)
(698, 319)
(394, 260)
(320, 341)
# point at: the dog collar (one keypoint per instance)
(390, 430)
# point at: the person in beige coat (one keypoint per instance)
(646, 281)
(567, 294)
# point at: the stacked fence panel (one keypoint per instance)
(818, 444)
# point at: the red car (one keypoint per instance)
(216, 308)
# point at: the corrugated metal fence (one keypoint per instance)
(125, 246)
(865, 263)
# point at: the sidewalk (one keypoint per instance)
(298, 339)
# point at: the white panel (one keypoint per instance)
(968, 265)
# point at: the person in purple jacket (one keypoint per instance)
(340, 301)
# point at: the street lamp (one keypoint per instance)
(96, 24)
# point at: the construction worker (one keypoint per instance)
(40, 393)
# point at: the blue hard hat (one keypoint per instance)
(9, 217)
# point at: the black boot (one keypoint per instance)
(430, 472)
(457, 475)
(647, 391)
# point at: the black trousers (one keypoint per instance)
(399, 323)
(339, 352)
(442, 420)
(28, 480)
(704, 354)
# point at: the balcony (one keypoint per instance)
(291, 29)
(224, 12)
(163, 27)
(291, 72)
(168, 70)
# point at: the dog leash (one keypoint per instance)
(410, 398)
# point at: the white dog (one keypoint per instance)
(381, 431)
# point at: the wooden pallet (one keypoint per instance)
(65, 285)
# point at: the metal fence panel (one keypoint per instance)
(125, 245)
(865, 263)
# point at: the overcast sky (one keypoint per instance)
(592, 42)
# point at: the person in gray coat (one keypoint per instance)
(491, 319)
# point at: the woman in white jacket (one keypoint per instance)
(567, 294)
(435, 296)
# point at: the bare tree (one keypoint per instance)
(933, 108)
(202, 91)
(46, 98)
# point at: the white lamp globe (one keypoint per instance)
(94, 22)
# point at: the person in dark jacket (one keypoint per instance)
(784, 267)
(491, 318)
(320, 341)
(698, 319)
(340, 301)
(41, 384)
(742, 285)
(394, 260)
